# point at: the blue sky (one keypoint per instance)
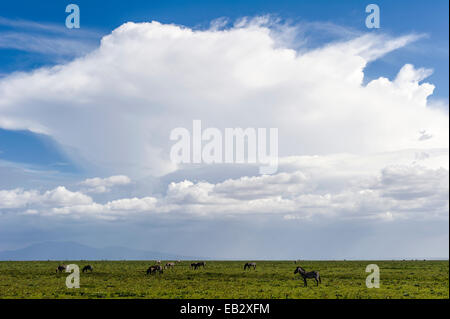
(33, 36)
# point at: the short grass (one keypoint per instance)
(227, 279)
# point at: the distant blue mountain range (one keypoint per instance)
(74, 251)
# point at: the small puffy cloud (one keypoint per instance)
(17, 198)
(111, 210)
(132, 204)
(102, 185)
(59, 197)
(187, 192)
(261, 186)
(424, 135)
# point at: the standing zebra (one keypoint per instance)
(169, 265)
(310, 274)
(61, 268)
(249, 265)
(199, 264)
(88, 268)
(153, 269)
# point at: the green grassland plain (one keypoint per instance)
(226, 279)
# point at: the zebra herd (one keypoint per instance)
(158, 268)
(248, 266)
(63, 267)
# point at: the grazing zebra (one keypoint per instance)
(310, 274)
(87, 268)
(154, 269)
(150, 270)
(249, 265)
(202, 263)
(199, 264)
(169, 265)
(61, 268)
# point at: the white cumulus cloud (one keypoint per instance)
(60, 196)
(101, 185)
(117, 105)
